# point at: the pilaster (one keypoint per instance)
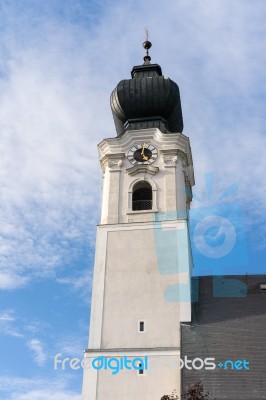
(111, 164)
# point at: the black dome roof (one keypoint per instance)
(148, 100)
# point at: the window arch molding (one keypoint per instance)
(131, 191)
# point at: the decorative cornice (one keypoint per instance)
(170, 157)
(133, 349)
(114, 162)
(137, 169)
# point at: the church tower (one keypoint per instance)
(141, 287)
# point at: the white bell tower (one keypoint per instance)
(141, 287)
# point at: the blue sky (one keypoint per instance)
(59, 62)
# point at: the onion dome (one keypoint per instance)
(148, 100)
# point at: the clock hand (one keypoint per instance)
(142, 153)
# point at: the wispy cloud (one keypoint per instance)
(45, 175)
(8, 324)
(70, 347)
(38, 351)
(22, 328)
(45, 394)
(80, 283)
(7, 316)
(16, 388)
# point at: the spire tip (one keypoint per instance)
(147, 45)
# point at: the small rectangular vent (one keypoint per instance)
(141, 326)
(140, 371)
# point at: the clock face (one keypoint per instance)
(142, 154)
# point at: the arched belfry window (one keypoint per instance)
(142, 196)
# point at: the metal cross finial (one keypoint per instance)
(147, 45)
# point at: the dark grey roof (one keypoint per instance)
(147, 100)
(225, 328)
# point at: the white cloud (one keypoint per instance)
(45, 178)
(70, 347)
(7, 316)
(36, 346)
(11, 280)
(80, 283)
(46, 394)
(22, 328)
(8, 325)
(16, 388)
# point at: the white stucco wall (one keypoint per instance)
(142, 268)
